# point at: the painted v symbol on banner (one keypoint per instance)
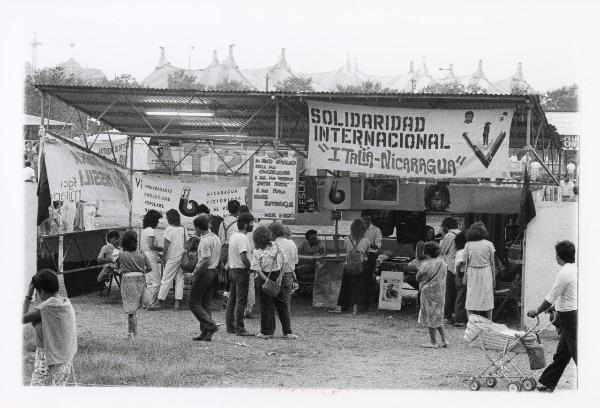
(485, 159)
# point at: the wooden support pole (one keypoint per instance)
(131, 143)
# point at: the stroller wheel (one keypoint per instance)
(491, 382)
(529, 384)
(474, 385)
(514, 387)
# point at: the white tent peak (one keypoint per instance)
(163, 59)
(282, 63)
(230, 61)
(479, 73)
(412, 68)
(215, 60)
(519, 75)
(424, 66)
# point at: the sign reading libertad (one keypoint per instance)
(419, 143)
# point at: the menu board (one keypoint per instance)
(274, 188)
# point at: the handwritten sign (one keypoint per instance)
(411, 143)
(162, 193)
(274, 188)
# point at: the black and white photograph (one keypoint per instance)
(384, 191)
(239, 199)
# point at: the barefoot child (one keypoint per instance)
(55, 330)
(133, 265)
(432, 287)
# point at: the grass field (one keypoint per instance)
(377, 349)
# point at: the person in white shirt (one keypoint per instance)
(149, 246)
(448, 253)
(248, 314)
(29, 173)
(563, 297)
(373, 235)
(226, 229)
(566, 188)
(571, 170)
(239, 272)
(174, 239)
(205, 277)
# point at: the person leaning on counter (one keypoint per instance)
(312, 245)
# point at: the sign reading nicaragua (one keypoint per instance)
(161, 193)
(419, 143)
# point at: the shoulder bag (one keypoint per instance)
(270, 287)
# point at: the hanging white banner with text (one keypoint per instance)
(274, 188)
(185, 194)
(76, 175)
(411, 143)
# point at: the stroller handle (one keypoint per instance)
(537, 317)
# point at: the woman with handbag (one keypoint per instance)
(133, 265)
(274, 285)
(432, 291)
(355, 282)
(174, 239)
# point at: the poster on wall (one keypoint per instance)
(337, 193)
(410, 143)
(164, 155)
(274, 188)
(161, 193)
(390, 290)
(308, 198)
(379, 190)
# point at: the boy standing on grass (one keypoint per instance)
(55, 330)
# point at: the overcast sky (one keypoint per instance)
(383, 35)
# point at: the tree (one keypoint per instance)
(181, 80)
(57, 109)
(229, 85)
(123, 81)
(295, 83)
(367, 86)
(564, 99)
(475, 89)
(452, 88)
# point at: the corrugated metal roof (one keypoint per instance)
(124, 108)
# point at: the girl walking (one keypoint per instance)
(133, 265)
(432, 288)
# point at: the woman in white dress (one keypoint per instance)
(481, 271)
(149, 246)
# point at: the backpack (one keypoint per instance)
(190, 256)
(354, 260)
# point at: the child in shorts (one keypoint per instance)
(133, 265)
(55, 330)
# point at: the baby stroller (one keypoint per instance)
(500, 344)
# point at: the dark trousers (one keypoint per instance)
(201, 296)
(355, 289)
(566, 349)
(450, 296)
(280, 304)
(373, 293)
(460, 313)
(238, 298)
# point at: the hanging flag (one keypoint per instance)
(43, 193)
(527, 212)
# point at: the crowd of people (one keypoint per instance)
(455, 278)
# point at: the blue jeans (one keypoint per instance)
(280, 303)
(238, 298)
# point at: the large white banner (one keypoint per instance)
(77, 175)
(411, 143)
(274, 188)
(185, 193)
